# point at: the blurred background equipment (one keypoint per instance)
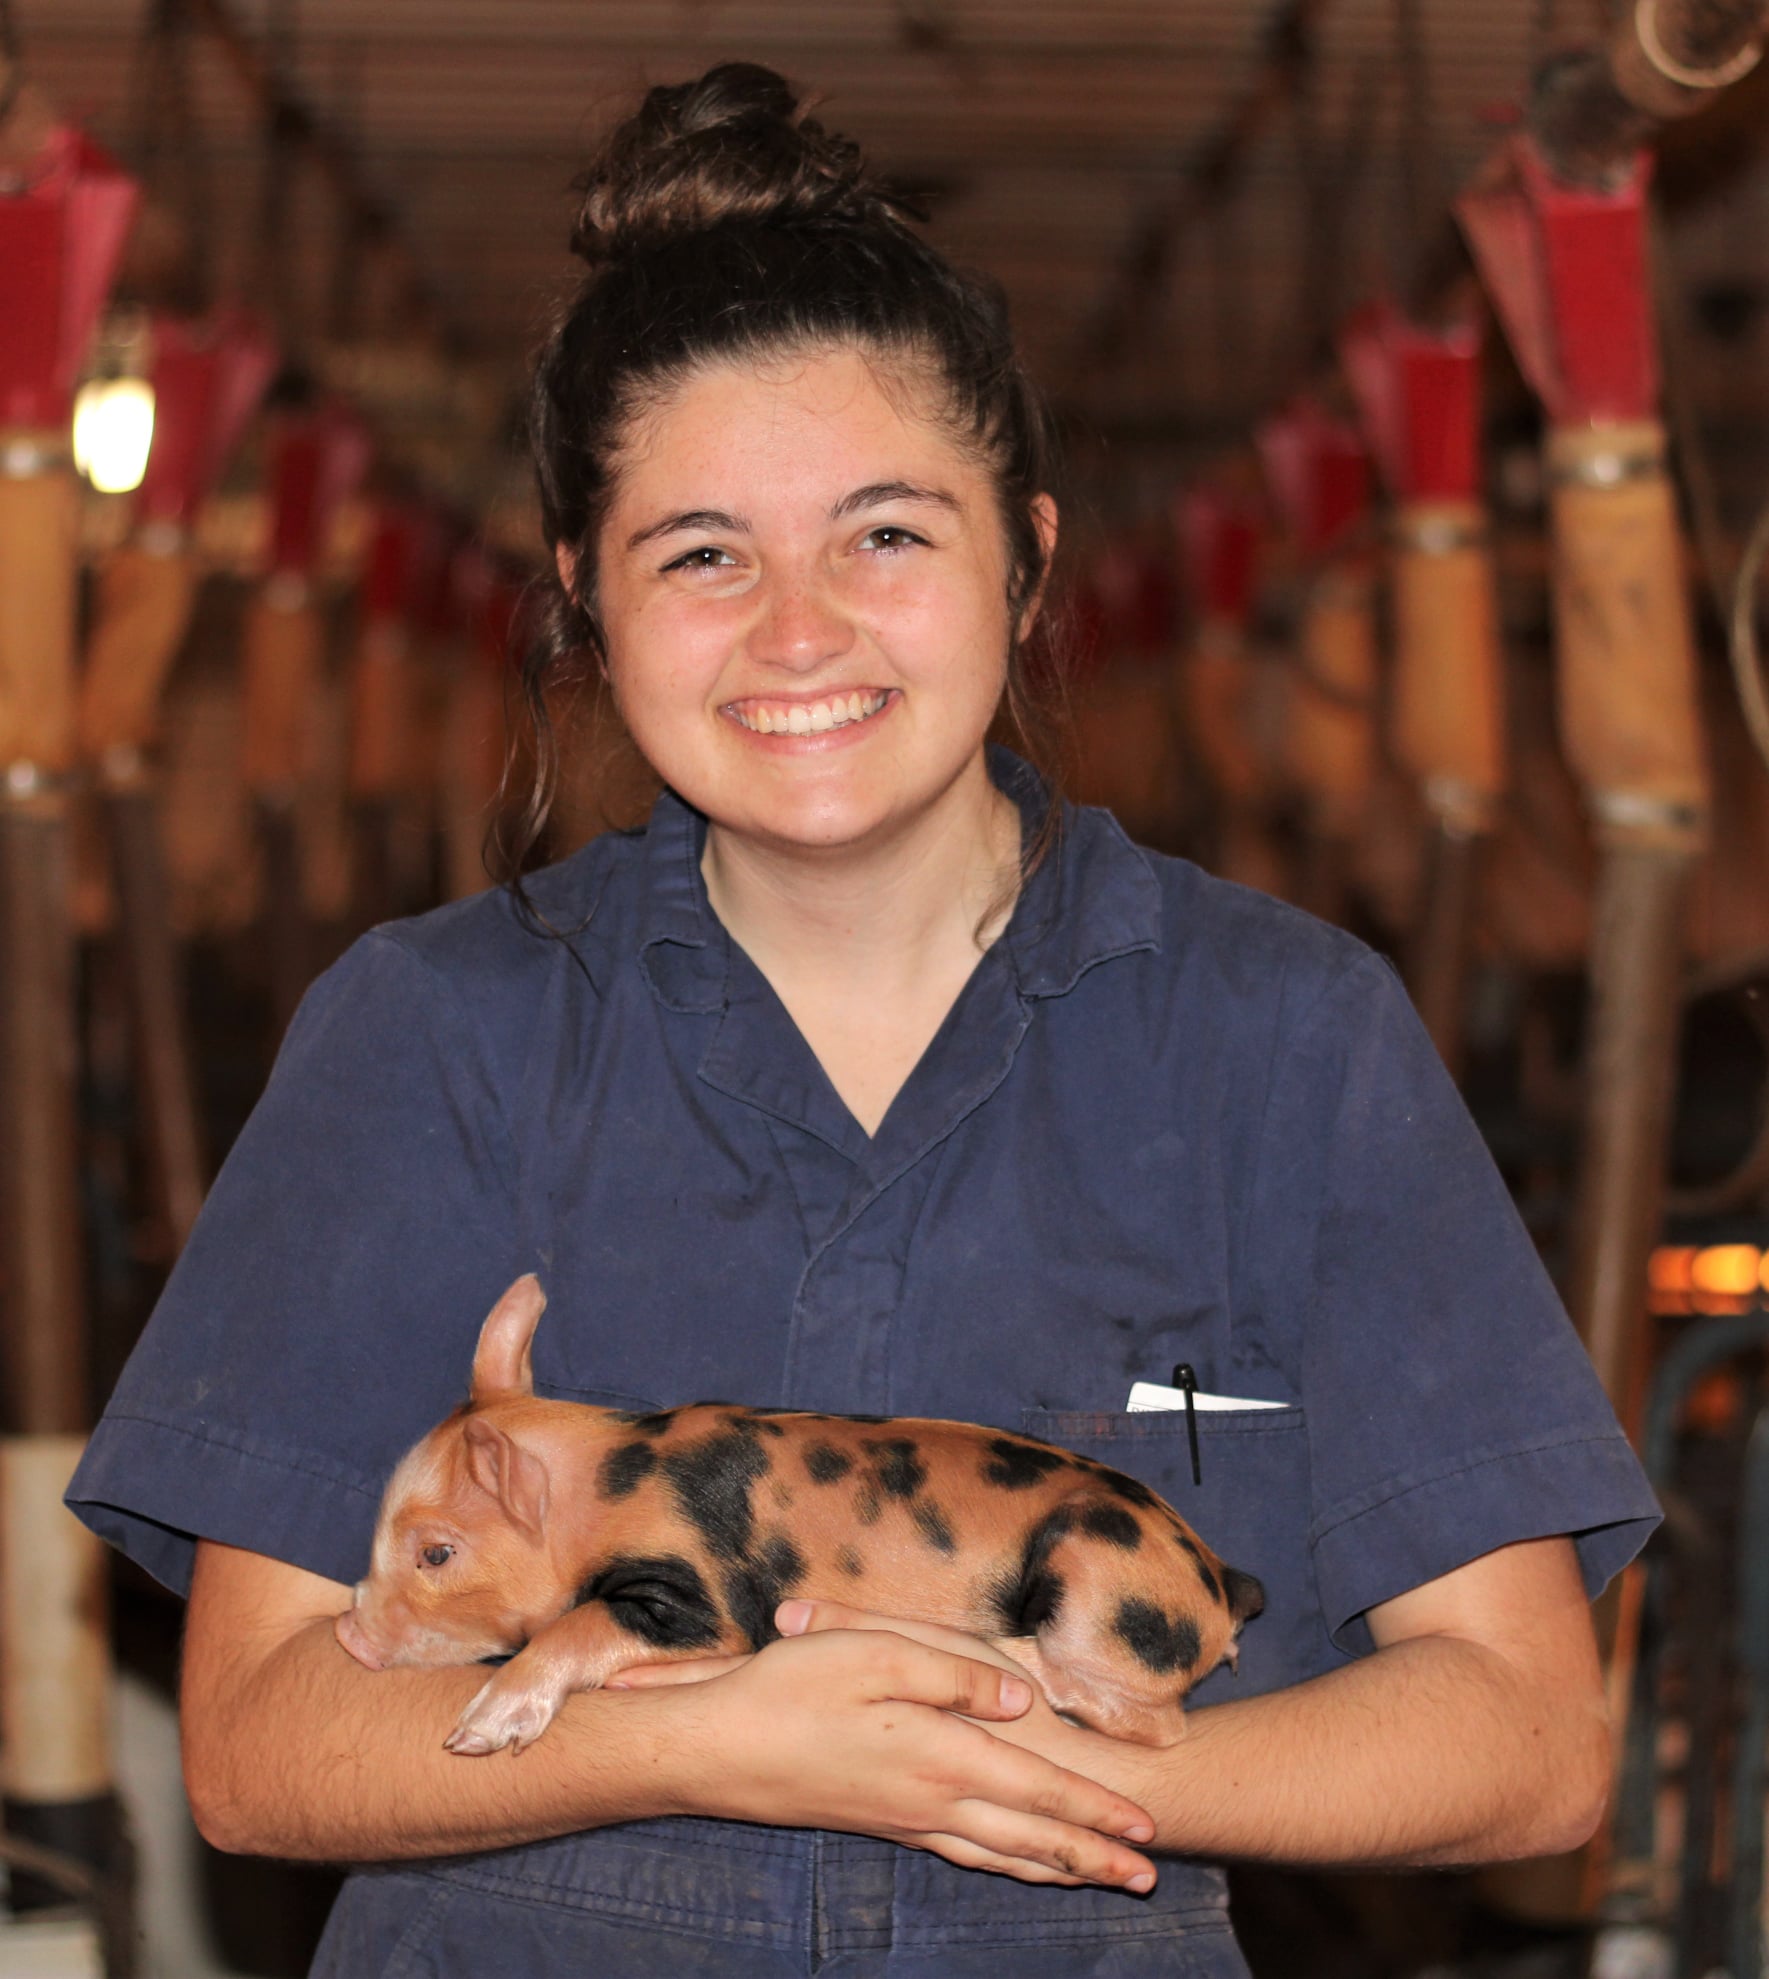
(1413, 359)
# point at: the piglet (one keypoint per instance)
(578, 1541)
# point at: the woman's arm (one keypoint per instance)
(291, 1748)
(1477, 1732)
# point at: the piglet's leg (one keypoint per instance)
(580, 1651)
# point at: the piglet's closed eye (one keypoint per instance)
(515, 1477)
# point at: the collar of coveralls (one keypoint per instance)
(1092, 899)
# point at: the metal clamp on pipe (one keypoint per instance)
(26, 455)
(1605, 456)
(1439, 529)
(1639, 818)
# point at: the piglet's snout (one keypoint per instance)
(355, 1638)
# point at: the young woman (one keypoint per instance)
(866, 1079)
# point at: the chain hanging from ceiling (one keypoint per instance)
(167, 151)
(11, 60)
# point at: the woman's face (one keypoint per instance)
(803, 589)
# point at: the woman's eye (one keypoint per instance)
(705, 557)
(436, 1556)
(890, 536)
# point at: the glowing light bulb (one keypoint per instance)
(1729, 1269)
(1671, 1268)
(113, 430)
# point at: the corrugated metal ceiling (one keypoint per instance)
(1045, 131)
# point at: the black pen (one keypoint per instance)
(1184, 1378)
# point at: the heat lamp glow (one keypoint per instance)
(113, 430)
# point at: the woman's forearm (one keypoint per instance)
(1431, 1753)
(307, 1755)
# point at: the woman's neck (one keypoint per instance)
(883, 917)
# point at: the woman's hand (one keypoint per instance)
(852, 1721)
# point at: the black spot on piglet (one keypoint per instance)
(1114, 1525)
(1026, 1598)
(625, 1469)
(900, 1472)
(712, 1482)
(826, 1463)
(1132, 1490)
(754, 1590)
(1157, 1643)
(1018, 1466)
(653, 1424)
(931, 1523)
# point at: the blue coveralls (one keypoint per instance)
(1167, 1120)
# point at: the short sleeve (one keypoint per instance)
(324, 1311)
(1451, 1408)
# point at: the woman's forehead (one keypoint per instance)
(803, 428)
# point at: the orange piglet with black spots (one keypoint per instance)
(580, 1541)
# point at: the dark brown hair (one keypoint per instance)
(721, 223)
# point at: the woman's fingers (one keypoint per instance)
(1033, 1789)
(793, 1618)
(971, 1855)
(1040, 1851)
(686, 1670)
(948, 1679)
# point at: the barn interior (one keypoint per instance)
(1411, 359)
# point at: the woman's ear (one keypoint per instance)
(565, 562)
(1044, 520)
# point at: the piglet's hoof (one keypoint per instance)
(494, 1720)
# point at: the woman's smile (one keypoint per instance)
(802, 720)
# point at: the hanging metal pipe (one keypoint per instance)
(1566, 266)
(1331, 728)
(1418, 395)
(1446, 721)
(145, 596)
(318, 458)
(1630, 722)
(63, 222)
(283, 636)
(381, 712)
(1318, 474)
(1217, 535)
(54, 1640)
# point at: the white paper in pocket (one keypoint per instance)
(1150, 1395)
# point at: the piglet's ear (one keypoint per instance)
(503, 1362)
(515, 1477)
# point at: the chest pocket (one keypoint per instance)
(1252, 1508)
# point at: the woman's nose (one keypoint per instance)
(800, 624)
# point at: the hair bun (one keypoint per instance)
(731, 146)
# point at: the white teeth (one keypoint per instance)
(818, 718)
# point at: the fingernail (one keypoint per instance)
(1138, 1832)
(791, 1616)
(1015, 1694)
(1141, 1884)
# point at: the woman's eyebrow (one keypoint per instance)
(876, 493)
(689, 518)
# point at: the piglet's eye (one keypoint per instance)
(435, 1556)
